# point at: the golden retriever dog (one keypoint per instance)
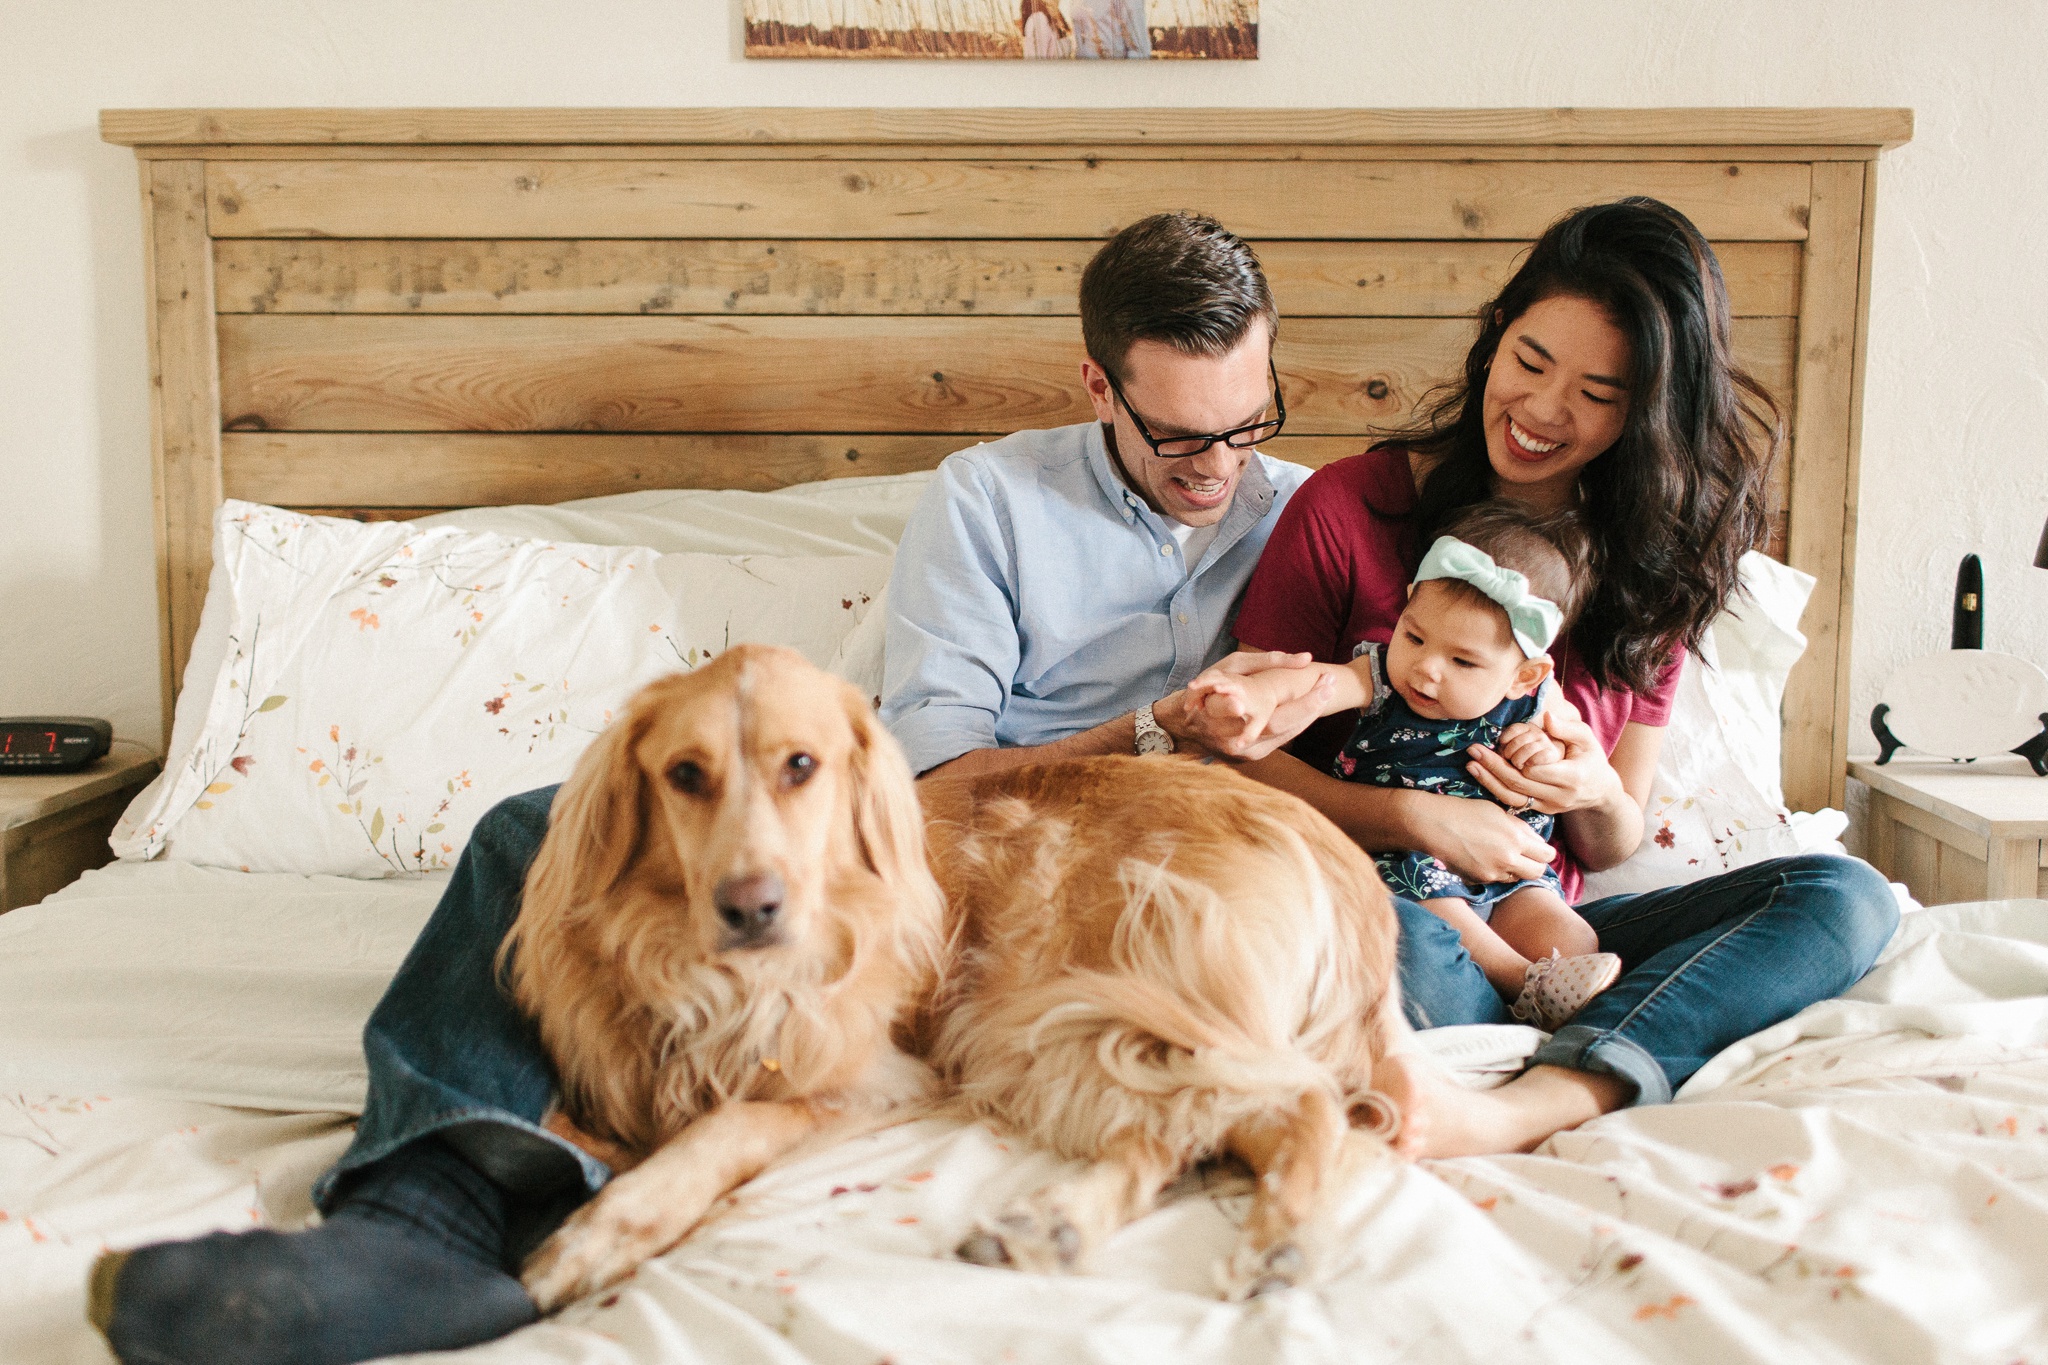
(732, 944)
(1157, 961)
(726, 928)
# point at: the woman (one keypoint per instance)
(1601, 380)
(1045, 29)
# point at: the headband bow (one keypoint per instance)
(1534, 621)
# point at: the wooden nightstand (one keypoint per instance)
(54, 826)
(1957, 831)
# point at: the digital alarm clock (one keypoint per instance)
(52, 743)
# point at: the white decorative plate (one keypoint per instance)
(1966, 703)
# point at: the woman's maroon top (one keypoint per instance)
(1336, 572)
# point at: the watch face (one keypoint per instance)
(1151, 738)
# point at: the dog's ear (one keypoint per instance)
(887, 819)
(598, 821)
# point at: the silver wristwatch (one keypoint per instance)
(1152, 738)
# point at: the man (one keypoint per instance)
(1053, 593)
(1056, 589)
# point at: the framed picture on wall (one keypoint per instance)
(1124, 30)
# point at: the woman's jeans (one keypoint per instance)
(1703, 965)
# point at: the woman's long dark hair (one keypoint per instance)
(1680, 497)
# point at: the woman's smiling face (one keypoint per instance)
(1556, 398)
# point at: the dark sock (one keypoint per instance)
(412, 1258)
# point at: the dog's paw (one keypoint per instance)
(1251, 1271)
(597, 1247)
(1034, 1236)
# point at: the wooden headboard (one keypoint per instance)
(381, 313)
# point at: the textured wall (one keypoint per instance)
(1955, 444)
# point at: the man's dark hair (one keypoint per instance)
(1552, 550)
(1180, 278)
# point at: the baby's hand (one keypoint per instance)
(1231, 706)
(1254, 695)
(1528, 745)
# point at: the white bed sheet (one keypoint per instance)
(1868, 1181)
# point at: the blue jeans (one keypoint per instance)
(1702, 965)
(450, 1055)
(448, 1051)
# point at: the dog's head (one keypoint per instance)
(750, 812)
(732, 899)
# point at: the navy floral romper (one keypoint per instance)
(1393, 747)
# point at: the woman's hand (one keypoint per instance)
(1580, 780)
(1481, 842)
(1224, 729)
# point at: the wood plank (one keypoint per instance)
(26, 797)
(44, 859)
(1003, 151)
(469, 469)
(895, 199)
(2011, 869)
(184, 391)
(764, 278)
(690, 374)
(1918, 864)
(1943, 832)
(756, 374)
(1872, 129)
(758, 278)
(376, 513)
(1960, 877)
(1824, 480)
(1880, 837)
(380, 475)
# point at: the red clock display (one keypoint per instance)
(15, 742)
(51, 743)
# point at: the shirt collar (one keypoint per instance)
(1254, 497)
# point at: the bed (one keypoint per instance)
(525, 325)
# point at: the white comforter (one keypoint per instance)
(178, 1052)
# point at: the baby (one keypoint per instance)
(1468, 664)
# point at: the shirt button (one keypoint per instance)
(1166, 549)
(1182, 618)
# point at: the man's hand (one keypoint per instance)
(1228, 702)
(1250, 717)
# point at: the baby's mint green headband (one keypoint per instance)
(1533, 620)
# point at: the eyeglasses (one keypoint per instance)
(1181, 447)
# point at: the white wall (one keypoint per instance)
(1955, 445)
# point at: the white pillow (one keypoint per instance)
(859, 657)
(1717, 802)
(862, 516)
(386, 683)
(829, 517)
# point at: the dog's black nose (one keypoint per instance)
(749, 904)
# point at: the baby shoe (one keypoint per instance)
(1555, 988)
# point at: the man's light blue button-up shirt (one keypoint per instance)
(1035, 596)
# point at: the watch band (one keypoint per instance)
(1152, 737)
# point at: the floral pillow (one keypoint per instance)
(1716, 802)
(385, 684)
